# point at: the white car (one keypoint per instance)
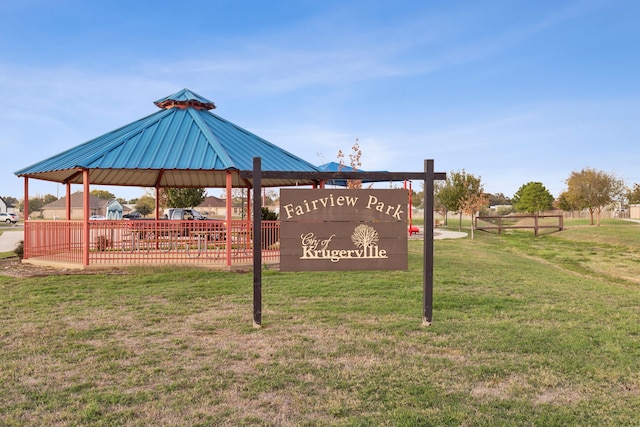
(98, 217)
(9, 218)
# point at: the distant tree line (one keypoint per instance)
(462, 193)
(588, 189)
(145, 205)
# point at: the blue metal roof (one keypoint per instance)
(179, 146)
(337, 167)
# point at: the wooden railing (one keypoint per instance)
(140, 242)
(534, 222)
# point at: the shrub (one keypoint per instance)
(19, 250)
(269, 236)
(103, 243)
(268, 215)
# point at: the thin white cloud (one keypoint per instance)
(296, 85)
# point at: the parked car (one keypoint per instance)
(184, 214)
(215, 227)
(9, 218)
(98, 217)
(132, 215)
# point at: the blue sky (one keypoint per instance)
(511, 91)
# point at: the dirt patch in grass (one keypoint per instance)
(13, 267)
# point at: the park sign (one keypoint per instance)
(364, 207)
(340, 229)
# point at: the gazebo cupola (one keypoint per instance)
(183, 99)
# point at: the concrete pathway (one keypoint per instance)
(9, 239)
(447, 234)
(439, 234)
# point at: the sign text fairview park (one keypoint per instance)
(337, 229)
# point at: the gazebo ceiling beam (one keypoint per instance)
(248, 183)
(159, 178)
(72, 177)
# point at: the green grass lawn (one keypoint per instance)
(526, 331)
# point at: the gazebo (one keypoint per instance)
(184, 145)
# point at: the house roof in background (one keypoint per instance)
(212, 202)
(77, 201)
(8, 205)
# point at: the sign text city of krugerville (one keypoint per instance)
(340, 229)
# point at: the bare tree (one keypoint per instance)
(354, 162)
(472, 203)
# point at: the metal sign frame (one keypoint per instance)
(429, 176)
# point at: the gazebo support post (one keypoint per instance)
(85, 221)
(248, 206)
(247, 226)
(157, 204)
(68, 201)
(157, 187)
(25, 241)
(67, 214)
(257, 245)
(229, 186)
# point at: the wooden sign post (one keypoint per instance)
(370, 232)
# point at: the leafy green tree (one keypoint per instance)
(462, 192)
(268, 215)
(417, 198)
(532, 197)
(498, 199)
(36, 203)
(593, 190)
(504, 210)
(48, 198)
(563, 202)
(103, 194)
(449, 194)
(633, 194)
(11, 200)
(438, 206)
(145, 205)
(185, 197)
